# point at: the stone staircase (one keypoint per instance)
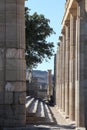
(38, 112)
(40, 117)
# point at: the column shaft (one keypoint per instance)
(63, 73)
(67, 70)
(60, 72)
(81, 60)
(72, 67)
(57, 78)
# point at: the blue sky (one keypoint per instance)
(53, 10)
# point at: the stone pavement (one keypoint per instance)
(59, 125)
(41, 127)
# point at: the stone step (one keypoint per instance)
(27, 98)
(39, 116)
(29, 102)
(33, 109)
(48, 115)
(38, 112)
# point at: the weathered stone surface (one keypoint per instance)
(15, 53)
(15, 86)
(12, 63)
(19, 97)
(12, 75)
(9, 98)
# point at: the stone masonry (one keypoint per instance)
(12, 63)
(71, 63)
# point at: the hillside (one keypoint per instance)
(41, 75)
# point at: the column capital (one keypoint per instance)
(63, 31)
(60, 38)
(73, 11)
(67, 23)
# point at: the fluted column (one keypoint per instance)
(67, 27)
(60, 73)
(72, 64)
(56, 77)
(63, 72)
(81, 60)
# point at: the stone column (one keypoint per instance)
(72, 64)
(57, 78)
(63, 72)
(60, 74)
(12, 63)
(81, 60)
(58, 83)
(67, 27)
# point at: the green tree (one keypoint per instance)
(37, 31)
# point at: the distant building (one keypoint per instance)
(36, 81)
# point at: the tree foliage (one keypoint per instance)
(37, 31)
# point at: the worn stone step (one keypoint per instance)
(27, 98)
(29, 102)
(48, 115)
(40, 110)
(35, 113)
(33, 109)
(28, 105)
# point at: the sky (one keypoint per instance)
(54, 11)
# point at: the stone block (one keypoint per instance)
(11, 75)
(9, 98)
(20, 97)
(15, 64)
(15, 53)
(20, 110)
(14, 123)
(11, 17)
(9, 111)
(21, 75)
(15, 75)
(11, 32)
(1, 59)
(12, 9)
(2, 30)
(15, 86)
(11, 44)
(1, 75)
(2, 43)
(1, 98)
(1, 110)
(20, 38)
(1, 86)
(1, 122)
